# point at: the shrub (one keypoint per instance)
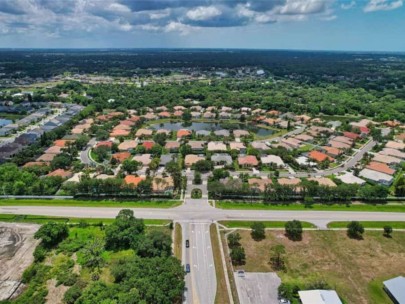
(39, 253)
(72, 294)
(293, 230)
(258, 231)
(355, 230)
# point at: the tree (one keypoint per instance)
(355, 230)
(293, 230)
(238, 256)
(203, 165)
(61, 161)
(400, 187)
(174, 170)
(258, 231)
(102, 153)
(130, 166)
(125, 231)
(187, 116)
(388, 231)
(51, 234)
(218, 174)
(155, 244)
(234, 240)
(277, 259)
(102, 134)
(92, 254)
(197, 178)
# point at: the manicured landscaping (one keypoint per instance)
(267, 224)
(354, 268)
(178, 240)
(395, 207)
(377, 225)
(90, 203)
(42, 219)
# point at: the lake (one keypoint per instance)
(210, 126)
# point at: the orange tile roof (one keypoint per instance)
(248, 160)
(116, 133)
(105, 144)
(319, 156)
(351, 135)
(183, 133)
(332, 151)
(61, 142)
(164, 114)
(380, 167)
(133, 180)
(61, 173)
(121, 156)
(148, 144)
(36, 163)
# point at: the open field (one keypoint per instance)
(355, 268)
(38, 219)
(267, 224)
(17, 244)
(222, 291)
(397, 207)
(394, 225)
(178, 241)
(90, 203)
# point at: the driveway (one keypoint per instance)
(258, 287)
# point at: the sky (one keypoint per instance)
(348, 25)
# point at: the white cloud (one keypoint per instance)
(298, 7)
(382, 5)
(118, 8)
(174, 26)
(348, 5)
(203, 13)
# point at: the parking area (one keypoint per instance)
(257, 287)
(17, 244)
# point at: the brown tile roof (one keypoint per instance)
(116, 133)
(249, 160)
(319, 156)
(380, 167)
(62, 173)
(121, 156)
(133, 180)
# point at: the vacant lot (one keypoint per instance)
(355, 268)
(17, 244)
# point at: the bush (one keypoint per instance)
(196, 193)
(258, 231)
(293, 230)
(72, 294)
(238, 256)
(355, 230)
(39, 253)
(387, 231)
(52, 233)
(288, 291)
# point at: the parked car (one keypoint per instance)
(187, 268)
(187, 243)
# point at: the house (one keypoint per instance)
(163, 131)
(54, 150)
(304, 137)
(117, 133)
(143, 133)
(393, 152)
(240, 147)
(395, 145)
(220, 159)
(149, 116)
(222, 133)
(376, 176)
(191, 159)
(319, 296)
(148, 144)
(172, 146)
(292, 142)
(361, 123)
(179, 108)
(400, 137)
(121, 156)
(196, 108)
(319, 156)
(216, 146)
(331, 151)
(323, 181)
(195, 114)
(274, 113)
(302, 118)
(135, 118)
(127, 145)
(46, 157)
(122, 127)
(240, 133)
(245, 109)
(209, 115)
(61, 142)
(162, 184)
(203, 133)
(178, 113)
(196, 146)
(132, 180)
(183, 133)
(343, 139)
(162, 108)
(211, 109)
(392, 123)
(226, 109)
(389, 160)
(269, 121)
(61, 173)
(380, 167)
(364, 131)
(339, 145)
(259, 145)
(272, 159)
(107, 144)
(164, 114)
(395, 288)
(351, 135)
(144, 159)
(127, 122)
(289, 181)
(259, 184)
(35, 163)
(225, 115)
(248, 161)
(167, 158)
(349, 178)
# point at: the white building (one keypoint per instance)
(319, 296)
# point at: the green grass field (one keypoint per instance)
(376, 225)
(90, 203)
(267, 224)
(40, 219)
(316, 207)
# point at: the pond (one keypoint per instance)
(210, 126)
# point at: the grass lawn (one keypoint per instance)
(315, 207)
(394, 225)
(178, 239)
(222, 291)
(355, 268)
(90, 203)
(39, 219)
(267, 224)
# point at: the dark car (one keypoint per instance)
(187, 268)
(187, 243)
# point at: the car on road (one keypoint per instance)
(187, 243)
(188, 268)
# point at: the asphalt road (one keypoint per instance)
(201, 211)
(201, 281)
(258, 287)
(84, 155)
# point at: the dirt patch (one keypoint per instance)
(17, 244)
(55, 293)
(76, 267)
(354, 268)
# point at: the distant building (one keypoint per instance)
(395, 289)
(319, 297)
